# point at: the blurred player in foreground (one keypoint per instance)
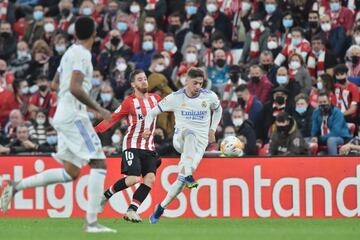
(139, 156)
(192, 107)
(78, 143)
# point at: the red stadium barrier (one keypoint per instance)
(247, 187)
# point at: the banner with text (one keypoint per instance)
(240, 187)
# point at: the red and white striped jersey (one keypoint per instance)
(135, 110)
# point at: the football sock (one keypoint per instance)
(51, 176)
(175, 189)
(189, 152)
(117, 187)
(139, 196)
(95, 190)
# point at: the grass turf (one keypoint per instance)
(184, 229)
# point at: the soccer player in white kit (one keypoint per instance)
(194, 109)
(78, 143)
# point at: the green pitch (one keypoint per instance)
(185, 229)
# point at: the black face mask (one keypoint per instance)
(221, 62)
(341, 81)
(266, 67)
(115, 41)
(43, 88)
(2, 71)
(241, 103)
(208, 29)
(173, 28)
(283, 129)
(5, 34)
(255, 79)
(65, 12)
(313, 24)
(354, 59)
(325, 108)
(158, 139)
(280, 100)
(234, 77)
(112, 12)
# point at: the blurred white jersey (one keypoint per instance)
(193, 113)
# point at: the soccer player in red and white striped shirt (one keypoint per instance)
(139, 156)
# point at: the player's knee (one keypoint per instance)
(98, 164)
(73, 173)
(132, 180)
(149, 179)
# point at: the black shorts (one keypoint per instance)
(136, 162)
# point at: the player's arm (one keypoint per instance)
(216, 118)
(55, 82)
(120, 112)
(77, 79)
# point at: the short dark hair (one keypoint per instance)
(318, 37)
(323, 94)
(134, 73)
(241, 88)
(84, 27)
(340, 69)
(195, 73)
(298, 29)
(42, 77)
(157, 56)
(301, 96)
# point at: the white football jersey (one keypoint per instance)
(193, 113)
(76, 58)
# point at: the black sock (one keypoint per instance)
(139, 196)
(117, 187)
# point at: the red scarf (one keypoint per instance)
(316, 65)
(324, 128)
(254, 45)
(4, 6)
(229, 98)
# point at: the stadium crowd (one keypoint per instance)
(287, 72)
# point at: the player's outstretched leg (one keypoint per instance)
(175, 189)
(187, 157)
(95, 190)
(50, 176)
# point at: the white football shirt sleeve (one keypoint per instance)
(80, 62)
(168, 104)
(214, 101)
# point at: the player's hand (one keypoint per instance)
(212, 138)
(146, 133)
(105, 114)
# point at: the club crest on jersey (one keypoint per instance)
(204, 104)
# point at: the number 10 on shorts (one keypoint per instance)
(129, 156)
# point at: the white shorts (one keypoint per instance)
(78, 142)
(201, 142)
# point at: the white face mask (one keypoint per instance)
(149, 27)
(254, 25)
(115, 138)
(40, 121)
(237, 122)
(357, 39)
(22, 54)
(121, 66)
(49, 27)
(229, 134)
(159, 68)
(245, 6)
(326, 27)
(272, 45)
(134, 8)
(190, 57)
(211, 7)
(294, 65)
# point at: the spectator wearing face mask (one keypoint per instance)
(109, 21)
(174, 55)
(217, 42)
(353, 64)
(286, 138)
(136, 15)
(7, 41)
(37, 130)
(156, 8)
(96, 82)
(127, 36)
(49, 31)
(60, 46)
(268, 66)
(142, 60)
(66, 17)
(218, 74)
(273, 46)
(20, 98)
(324, 83)
(222, 22)
(341, 16)
(303, 114)
(298, 44)
(272, 15)
(50, 145)
(229, 98)
(113, 49)
(287, 24)
(259, 85)
(278, 103)
(88, 8)
(119, 76)
(150, 28)
(35, 29)
(193, 16)
(250, 104)
(346, 93)
(21, 64)
(244, 128)
(41, 53)
(328, 126)
(335, 36)
(290, 84)
(313, 27)
(177, 27)
(299, 74)
(44, 98)
(255, 41)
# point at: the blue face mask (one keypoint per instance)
(335, 6)
(319, 85)
(52, 140)
(87, 11)
(38, 15)
(287, 23)
(270, 8)
(295, 41)
(95, 82)
(281, 80)
(191, 10)
(122, 26)
(106, 97)
(147, 46)
(168, 46)
(301, 110)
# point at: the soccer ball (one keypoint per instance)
(231, 146)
